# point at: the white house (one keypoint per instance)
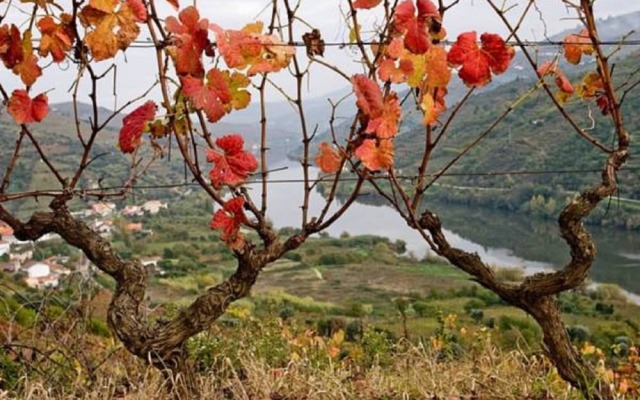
(103, 209)
(4, 247)
(11, 266)
(104, 228)
(153, 206)
(22, 257)
(50, 281)
(132, 211)
(38, 270)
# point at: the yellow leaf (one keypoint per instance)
(337, 338)
(353, 33)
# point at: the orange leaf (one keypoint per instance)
(24, 110)
(376, 156)
(433, 108)
(230, 88)
(234, 165)
(478, 63)
(229, 219)
(436, 68)
(395, 49)
(114, 26)
(248, 48)
(174, 4)
(328, 160)
(591, 85)
(395, 71)
(133, 126)
(57, 39)
(240, 97)
(28, 68)
(385, 125)
(576, 45)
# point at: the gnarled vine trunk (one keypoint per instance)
(161, 344)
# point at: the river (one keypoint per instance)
(502, 239)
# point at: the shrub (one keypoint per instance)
(474, 304)
(477, 315)
(579, 333)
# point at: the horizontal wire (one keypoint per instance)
(96, 192)
(140, 44)
(147, 44)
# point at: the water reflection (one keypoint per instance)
(499, 238)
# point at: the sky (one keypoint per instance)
(135, 68)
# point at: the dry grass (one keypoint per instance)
(414, 373)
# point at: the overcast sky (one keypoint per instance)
(136, 68)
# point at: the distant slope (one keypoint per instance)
(533, 160)
(533, 137)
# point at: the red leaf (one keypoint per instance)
(229, 219)
(547, 67)
(499, 54)
(416, 40)
(563, 83)
(551, 68)
(603, 103)
(366, 3)
(237, 47)
(174, 4)
(218, 82)
(376, 156)
(24, 110)
(139, 10)
(234, 165)
(328, 160)
(415, 27)
(10, 46)
(203, 98)
(475, 68)
(368, 95)
(426, 8)
(478, 63)
(191, 40)
(133, 126)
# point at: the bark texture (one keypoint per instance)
(162, 343)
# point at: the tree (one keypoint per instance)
(537, 294)
(206, 71)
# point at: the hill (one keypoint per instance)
(58, 137)
(533, 141)
(531, 161)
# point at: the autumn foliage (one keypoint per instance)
(410, 55)
(404, 63)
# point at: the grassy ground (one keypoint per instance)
(407, 372)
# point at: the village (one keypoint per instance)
(21, 260)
